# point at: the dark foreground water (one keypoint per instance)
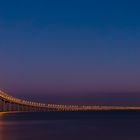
(106, 125)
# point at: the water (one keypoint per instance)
(105, 125)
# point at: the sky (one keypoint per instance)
(71, 51)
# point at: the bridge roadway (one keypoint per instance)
(10, 103)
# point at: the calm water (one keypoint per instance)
(106, 125)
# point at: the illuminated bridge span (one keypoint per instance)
(9, 103)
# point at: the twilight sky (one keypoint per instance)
(71, 51)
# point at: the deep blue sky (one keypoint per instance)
(71, 49)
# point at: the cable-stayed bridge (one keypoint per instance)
(9, 103)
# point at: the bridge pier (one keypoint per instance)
(3, 106)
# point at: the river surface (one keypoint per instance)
(102, 125)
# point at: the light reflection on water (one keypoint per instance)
(70, 126)
(1, 129)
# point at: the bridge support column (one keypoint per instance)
(9, 106)
(3, 106)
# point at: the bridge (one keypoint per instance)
(11, 104)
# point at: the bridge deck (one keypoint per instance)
(10, 103)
